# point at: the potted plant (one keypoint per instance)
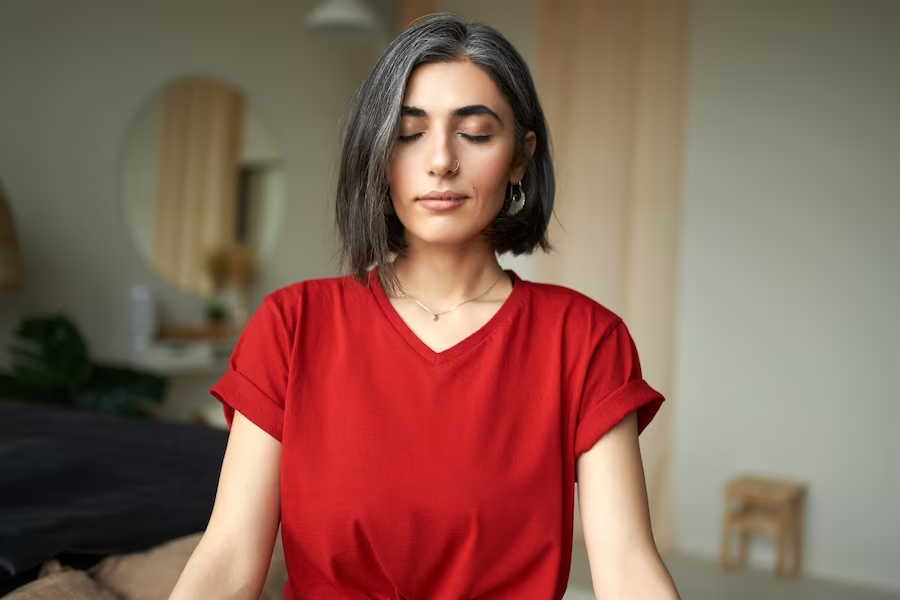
(51, 365)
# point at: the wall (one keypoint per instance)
(74, 75)
(137, 177)
(73, 78)
(788, 327)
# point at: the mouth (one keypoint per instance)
(442, 201)
(445, 195)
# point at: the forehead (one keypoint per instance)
(442, 86)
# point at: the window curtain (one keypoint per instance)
(611, 74)
(197, 177)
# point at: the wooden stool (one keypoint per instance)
(761, 505)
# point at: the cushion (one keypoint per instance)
(62, 584)
(152, 575)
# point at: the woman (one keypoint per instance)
(417, 427)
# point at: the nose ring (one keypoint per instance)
(457, 167)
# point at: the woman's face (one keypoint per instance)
(453, 112)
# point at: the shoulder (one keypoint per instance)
(293, 301)
(574, 307)
(313, 290)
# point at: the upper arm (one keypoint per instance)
(248, 500)
(615, 515)
(239, 539)
(234, 554)
(613, 387)
(612, 496)
(255, 383)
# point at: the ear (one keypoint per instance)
(521, 164)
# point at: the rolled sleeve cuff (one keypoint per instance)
(237, 393)
(633, 396)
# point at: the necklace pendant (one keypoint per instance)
(436, 317)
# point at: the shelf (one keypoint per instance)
(189, 357)
(207, 332)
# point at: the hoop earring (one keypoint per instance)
(516, 200)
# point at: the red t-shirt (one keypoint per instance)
(410, 474)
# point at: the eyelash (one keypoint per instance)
(476, 139)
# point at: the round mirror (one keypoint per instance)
(202, 186)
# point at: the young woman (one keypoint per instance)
(417, 427)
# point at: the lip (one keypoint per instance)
(442, 201)
(443, 195)
(441, 205)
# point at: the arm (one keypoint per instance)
(232, 559)
(612, 498)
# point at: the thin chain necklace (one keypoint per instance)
(437, 315)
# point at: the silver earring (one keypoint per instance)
(516, 200)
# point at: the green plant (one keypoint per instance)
(216, 311)
(51, 365)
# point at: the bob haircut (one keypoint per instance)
(369, 236)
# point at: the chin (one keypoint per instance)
(443, 236)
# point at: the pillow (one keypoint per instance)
(146, 575)
(67, 584)
(152, 575)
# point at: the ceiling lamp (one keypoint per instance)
(343, 17)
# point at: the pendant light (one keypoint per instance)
(344, 18)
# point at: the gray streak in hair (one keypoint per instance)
(371, 237)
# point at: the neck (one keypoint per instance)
(447, 275)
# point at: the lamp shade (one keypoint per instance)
(10, 258)
(343, 18)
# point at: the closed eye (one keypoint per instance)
(478, 139)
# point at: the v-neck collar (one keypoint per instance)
(503, 314)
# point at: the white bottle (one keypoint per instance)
(141, 317)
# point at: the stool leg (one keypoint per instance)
(797, 539)
(779, 560)
(745, 545)
(724, 559)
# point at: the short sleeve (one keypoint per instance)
(613, 389)
(256, 379)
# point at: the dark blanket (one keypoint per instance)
(87, 485)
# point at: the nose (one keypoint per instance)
(442, 161)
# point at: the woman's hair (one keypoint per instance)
(371, 237)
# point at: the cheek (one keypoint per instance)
(397, 165)
(391, 170)
(492, 174)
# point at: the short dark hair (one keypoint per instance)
(368, 235)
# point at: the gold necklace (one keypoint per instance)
(437, 315)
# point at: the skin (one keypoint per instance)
(233, 556)
(453, 112)
(449, 260)
(612, 499)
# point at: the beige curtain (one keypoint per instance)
(197, 176)
(611, 75)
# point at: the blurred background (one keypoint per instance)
(729, 183)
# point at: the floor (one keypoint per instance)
(700, 579)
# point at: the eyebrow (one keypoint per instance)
(462, 111)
